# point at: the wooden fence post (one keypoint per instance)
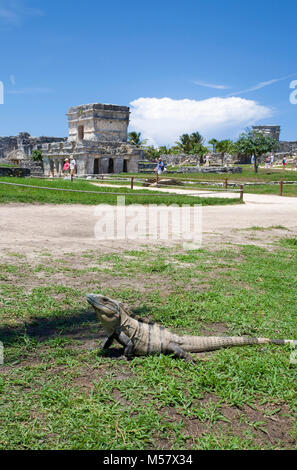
(132, 182)
(102, 177)
(281, 187)
(226, 183)
(241, 192)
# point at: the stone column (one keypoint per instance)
(46, 166)
(132, 165)
(52, 167)
(81, 163)
(58, 166)
(118, 165)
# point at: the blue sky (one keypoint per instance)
(208, 65)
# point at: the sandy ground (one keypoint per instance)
(70, 228)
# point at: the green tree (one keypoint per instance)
(36, 155)
(134, 138)
(213, 142)
(257, 144)
(225, 146)
(188, 142)
(150, 152)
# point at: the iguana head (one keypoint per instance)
(106, 309)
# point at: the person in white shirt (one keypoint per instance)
(72, 167)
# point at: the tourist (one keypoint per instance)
(66, 167)
(160, 167)
(295, 162)
(252, 160)
(72, 167)
(207, 158)
(284, 161)
(267, 162)
(271, 161)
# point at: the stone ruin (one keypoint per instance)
(285, 148)
(97, 140)
(18, 149)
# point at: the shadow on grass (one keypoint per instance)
(41, 328)
(79, 324)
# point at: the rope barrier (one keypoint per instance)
(134, 193)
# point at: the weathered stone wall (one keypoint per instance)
(100, 122)
(35, 167)
(25, 142)
(7, 144)
(21, 172)
(287, 147)
(202, 169)
(113, 157)
(271, 131)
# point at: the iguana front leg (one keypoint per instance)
(128, 344)
(178, 352)
(107, 342)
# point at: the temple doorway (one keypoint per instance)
(96, 166)
(110, 166)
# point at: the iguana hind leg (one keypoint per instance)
(178, 352)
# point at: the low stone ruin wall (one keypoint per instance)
(19, 172)
(195, 169)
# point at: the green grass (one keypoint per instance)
(60, 391)
(289, 190)
(30, 195)
(247, 175)
(7, 165)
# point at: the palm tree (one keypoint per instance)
(134, 138)
(213, 142)
(225, 146)
(187, 143)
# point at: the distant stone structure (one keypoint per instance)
(271, 131)
(24, 144)
(97, 140)
(285, 148)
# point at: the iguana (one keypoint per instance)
(139, 337)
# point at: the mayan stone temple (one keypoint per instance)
(97, 141)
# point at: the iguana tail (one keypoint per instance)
(210, 343)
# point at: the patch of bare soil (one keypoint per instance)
(267, 429)
(70, 228)
(214, 329)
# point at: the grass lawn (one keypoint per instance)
(289, 190)
(247, 175)
(30, 195)
(60, 391)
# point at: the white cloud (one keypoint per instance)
(263, 84)
(163, 120)
(14, 11)
(210, 85)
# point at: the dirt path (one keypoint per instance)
(70, 228)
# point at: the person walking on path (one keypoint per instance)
(160, 166)
(267, 162)
(284, 161)
(66, 167)
(72, 167)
